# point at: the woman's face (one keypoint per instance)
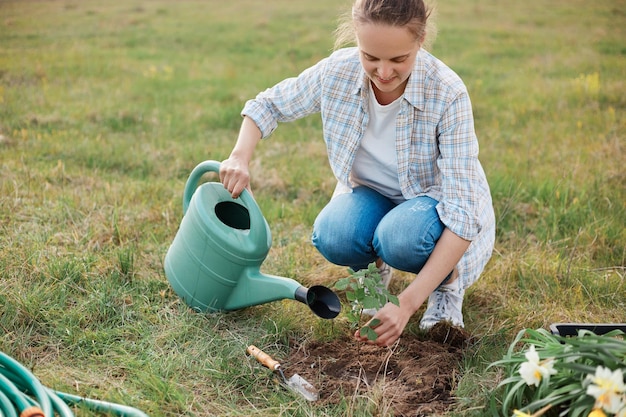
(387, 54)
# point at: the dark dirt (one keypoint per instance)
(416, 377)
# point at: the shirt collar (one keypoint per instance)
(414, 91)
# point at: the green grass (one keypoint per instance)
(105, 107)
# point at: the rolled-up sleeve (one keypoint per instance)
(291, 99)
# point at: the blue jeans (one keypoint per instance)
(354, 229)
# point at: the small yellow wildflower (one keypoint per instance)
(597, 413)
(538, 413)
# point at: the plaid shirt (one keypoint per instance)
(436, 144)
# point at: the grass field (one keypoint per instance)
(105, 107)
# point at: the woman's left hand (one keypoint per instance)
(393, 320)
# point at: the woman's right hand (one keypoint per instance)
(235, 176)
(235, 171)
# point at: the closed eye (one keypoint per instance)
(369, 57)
(398, 59)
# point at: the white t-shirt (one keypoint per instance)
(376, 161)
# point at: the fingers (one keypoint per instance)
(382, 331)
(388, 329)
(235, 187)
(234, 177)
(384, 339)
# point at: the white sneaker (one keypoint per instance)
(444, 304)
(386, 273)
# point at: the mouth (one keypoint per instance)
(385, 80)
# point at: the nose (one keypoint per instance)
(385, 70)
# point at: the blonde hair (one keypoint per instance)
(414, 15)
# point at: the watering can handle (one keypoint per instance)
(194, 179)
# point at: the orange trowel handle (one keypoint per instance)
(263, 358)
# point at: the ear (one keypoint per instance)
(421, 40)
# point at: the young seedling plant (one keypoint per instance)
(365, 290)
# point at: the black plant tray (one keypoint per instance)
(571, 329)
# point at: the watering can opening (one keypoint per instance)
(233, 215)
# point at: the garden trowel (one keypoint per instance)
(295, 383)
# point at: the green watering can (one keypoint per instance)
(214, 261)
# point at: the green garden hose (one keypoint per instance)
(22, 395)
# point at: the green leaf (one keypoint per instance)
(374, 323)
(512, 396)
(369, 283)
(353, 318)
(493, 406)
(360, 293)
(371, 302)
(368, 332)
(342, 284)
(393, 299)
(581, 410)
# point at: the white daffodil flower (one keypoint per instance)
(608, 388)
(534, 370)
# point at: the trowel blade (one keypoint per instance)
(302, 387)
(296, 383)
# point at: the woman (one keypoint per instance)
(399, 131)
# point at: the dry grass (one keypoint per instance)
(106, 107)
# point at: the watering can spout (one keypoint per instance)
(256, 288)
(321, 300)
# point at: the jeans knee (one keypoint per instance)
(407, 249)
(341, 252)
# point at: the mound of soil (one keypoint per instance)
(416, 377)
